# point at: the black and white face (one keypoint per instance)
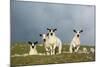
(32, 44)
(78, 32)
(44, 37)
(51, 31)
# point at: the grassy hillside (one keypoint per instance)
(21, 48)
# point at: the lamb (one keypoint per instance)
(75, 43)
(33, 50)
(54, 41)
(85, 50)
(92, 50)
(46, 44)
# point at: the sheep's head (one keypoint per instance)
(44, 36)
(51, 31)
(78, 32)
(32, 43)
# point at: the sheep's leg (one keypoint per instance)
(76, 50)
(53, 52)
(59, 49)
(71, 49)
(47, 51)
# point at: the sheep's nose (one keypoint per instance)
(32, 46)
(44, 40)
(75, 47)
(51, 34)
(78, 35)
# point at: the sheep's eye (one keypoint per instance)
(53, 30)
(50, 30)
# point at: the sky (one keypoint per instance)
(29, 19)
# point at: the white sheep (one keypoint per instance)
(85, 50)
(54, 41)
(92, 50)
(46, 44)
(75, 43)
(33, 50)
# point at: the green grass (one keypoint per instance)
(54, 59)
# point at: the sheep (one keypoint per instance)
(46, 44)
(85, 50)
(92, 50)
(54, 41)
(33, 50)
(75, 43)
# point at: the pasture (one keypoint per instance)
(23, 48)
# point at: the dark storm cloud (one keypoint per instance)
(29, 19)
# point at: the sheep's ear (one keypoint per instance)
(36, 42)
(29, 42)
(40, 34)
(81, 31)
(55, 30)
(75, 31)
(48, 29)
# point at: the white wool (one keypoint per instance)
(75, 43)
(54, 41)
(76, 40)
(32, 51)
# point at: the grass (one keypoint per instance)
(44, 59)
